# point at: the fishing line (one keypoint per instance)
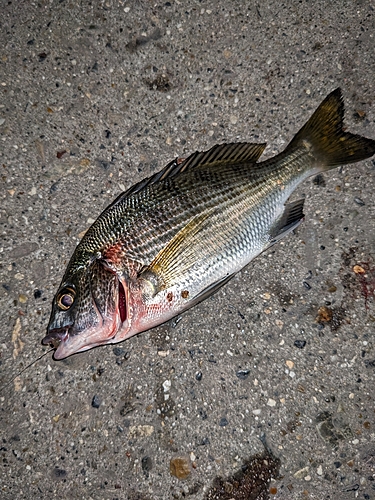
(26, 367)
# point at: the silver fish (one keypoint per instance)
(173, 239)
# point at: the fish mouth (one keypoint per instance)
(56, 336)
(67, 342)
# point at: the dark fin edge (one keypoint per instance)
(210, 290)
(331, 146)
(289, 220)
(240, 152)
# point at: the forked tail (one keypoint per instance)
(324, 133)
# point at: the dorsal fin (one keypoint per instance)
(238, 152)
(147, 181)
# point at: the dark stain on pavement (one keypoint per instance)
(251, 482)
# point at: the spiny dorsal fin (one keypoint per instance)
(239, 152)
(136, 188)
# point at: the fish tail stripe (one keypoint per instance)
(323, 133)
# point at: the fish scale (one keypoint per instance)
(175, 238)
(230, 193)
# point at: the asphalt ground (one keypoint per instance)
(268, 385)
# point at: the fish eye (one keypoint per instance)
(65, 299)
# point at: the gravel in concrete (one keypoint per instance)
(97, 95)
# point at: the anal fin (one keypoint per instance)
(289, 220)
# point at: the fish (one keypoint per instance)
(175, 238)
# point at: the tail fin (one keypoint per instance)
(324, 134)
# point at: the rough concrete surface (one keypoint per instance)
(97, 95)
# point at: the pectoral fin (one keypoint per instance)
(289, 220)
(211, 289)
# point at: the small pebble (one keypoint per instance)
(358, 269)
(59, 473)
(96, 401)
(146, 465)
(289, 364)
(180, 467)
(359, 201)
(306, 285)
(117, 351)
(167, 385)
(271, 402)
(300, 473)
(300, 344)
(319, 180)
(163, 354)
(242, 374)
(223, 422)
(198, 376)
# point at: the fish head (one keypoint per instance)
(88, 309)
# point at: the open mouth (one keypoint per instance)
(103, 330)
(56, 336)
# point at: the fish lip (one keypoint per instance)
(56, 336)
(62, 350)
(68, 342)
